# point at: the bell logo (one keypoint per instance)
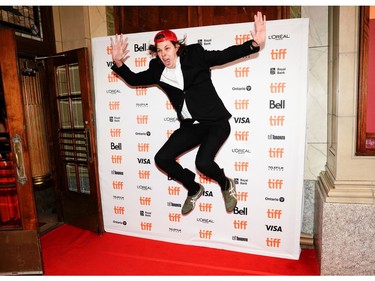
(114, 105)
(118, 210)
(275, 184)
(241, 166)
(242, 38)
(146, 226)
(276, 88)
(273, 242)
(143, 147)
(205, 207)
(174, 217)
(174, 190)
(115, 132)
(144, 174)
(117, 185)
(274, 214)
(277, 120)
(241, 104)
(116, 159)
(112, 78)
(241, 135)
(238, 224)
(276, 152)
(204, 179)
(168, 105)
(277, 105)
(278, 54)
(140, 91)
(140, 48)
(240, 72)
(142, 119)
(140, 62)
(238, 211)
(242, 196)
(115, 146)
(205, 234)
(145, 201)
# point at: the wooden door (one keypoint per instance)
(74, 139)
(19, 241)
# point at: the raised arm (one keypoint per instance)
(259, 35)
(119, 51)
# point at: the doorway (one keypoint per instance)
(19, 239)
(10, 217)
(32, 78)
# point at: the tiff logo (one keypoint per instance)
(242, 38)
(146, 226)
(112, 78)
(242, 196)
(241, 166)
(117, 185)
(174, 217)
(168, 105)
(277, 120)
(109, 50)
(169, 133)
(273, 242)
(276, 88)
(142, 119)
(118, 210)
(276, 152)
(140, 91)
(114, 105)
(116, 159)
(241, 135)
(205, 234)
(241, 104)
(174, 190)
(241, 72)
(275, 184)
(278, 54)
(205, 207)
(115, 132)
(143, 147)
(140, 62)
(144, 174)
(274, 214)
(204, 179)
(238, 224)
(145, 201)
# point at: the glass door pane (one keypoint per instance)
(73, 137)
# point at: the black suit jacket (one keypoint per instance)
(200, 95)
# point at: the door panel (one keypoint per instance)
(20, 250)
(76, 154)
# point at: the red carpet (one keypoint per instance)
(68, 250)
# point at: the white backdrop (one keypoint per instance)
(266, 94)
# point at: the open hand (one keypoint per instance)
(119, 50)
(259, 35)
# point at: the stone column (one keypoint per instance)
(344, 207)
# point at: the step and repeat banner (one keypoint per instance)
(266, 94)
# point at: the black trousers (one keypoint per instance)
(209, 137)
